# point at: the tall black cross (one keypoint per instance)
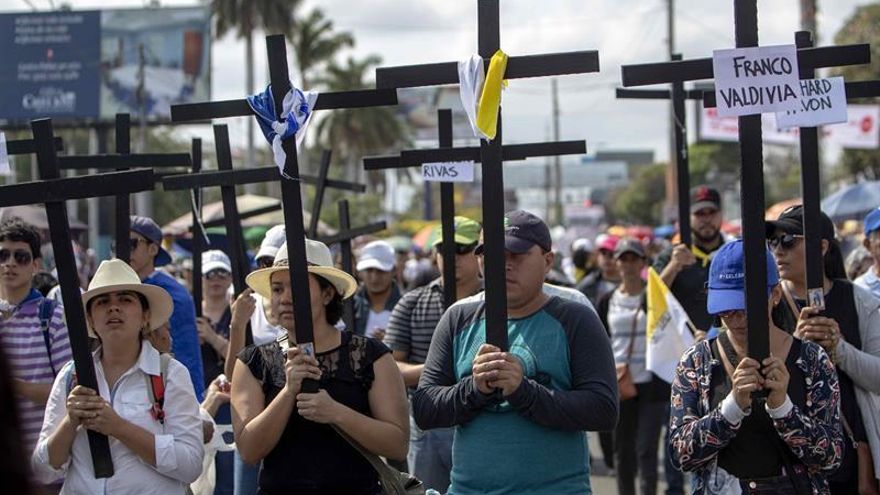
(811, 174)
(344, 236)
(198, 235)
(751, 148)
(290, 191)
(678, 95)
(446, 153)
(489, 41)
(28, 147)
(123, 160)
(52, 190)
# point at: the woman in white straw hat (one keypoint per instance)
(362, 392)
(145, 402)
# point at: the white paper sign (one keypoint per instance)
(861, 129)
(822, 101)
(750, 81)
(448, 171)
(4, 157)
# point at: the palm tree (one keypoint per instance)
(245, 17)
(315, 43)
(353, 132)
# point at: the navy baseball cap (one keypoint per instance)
(791, 221)
(522, 230)
(872, 221)
(148, 228)
(727, 280)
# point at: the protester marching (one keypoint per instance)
(550, 318)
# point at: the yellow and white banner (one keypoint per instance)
(669, 332)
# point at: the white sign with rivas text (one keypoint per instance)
(822, 101)
(448, 171)
(756, 80)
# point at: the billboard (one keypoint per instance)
(80, 67)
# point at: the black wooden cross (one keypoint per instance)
(489, 41)
(446, 153)
(52, 190)
(27, 146)
(290, 191)
(751, 147)
(198, 235)
(123, 160)
(811, 177)
(344, 237)
(678, 95)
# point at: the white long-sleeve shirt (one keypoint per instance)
(179, 448)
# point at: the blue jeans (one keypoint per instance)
(246, 477)
(430, 455)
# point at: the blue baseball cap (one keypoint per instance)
(727, 280)
(872, 221)
(148, 228)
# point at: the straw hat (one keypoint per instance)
(320, 263)
(115, 275)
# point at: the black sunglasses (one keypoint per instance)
(132, 243)
(21, 256)
(786, 241)
(459, 248)
(217, 273)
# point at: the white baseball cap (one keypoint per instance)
(215, 260)
(274, 238)
(377, 254)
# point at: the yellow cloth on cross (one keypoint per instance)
(669, 330)
(490, 98)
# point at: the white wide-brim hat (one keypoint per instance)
(320, 263)
(116, 276)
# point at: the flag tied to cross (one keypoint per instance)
(296, 113)
(669, 330)
(481, 92)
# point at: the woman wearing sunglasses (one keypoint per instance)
(849, 331)
(784, 444)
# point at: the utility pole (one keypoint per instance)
(557, 167)
(808, 18)
(670, 209)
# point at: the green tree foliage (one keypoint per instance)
(642, 201)
(315, 43)
(863, 26)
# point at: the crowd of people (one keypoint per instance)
(224, 402)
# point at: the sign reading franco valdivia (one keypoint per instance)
(86, 66)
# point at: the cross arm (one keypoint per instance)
(215, 178)
(86, 186)
(219, 222)
(116, 161)
(326, 101)
(414, 158)
(701, 68)
(552, 64)
(27, 147)
(656, 94)
(353, 233)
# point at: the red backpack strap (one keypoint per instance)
(156, 389)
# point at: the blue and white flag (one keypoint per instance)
(295, 117)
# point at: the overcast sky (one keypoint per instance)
(624, 32)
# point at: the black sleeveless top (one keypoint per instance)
(755, 451)
(311, 458)
(840, 305)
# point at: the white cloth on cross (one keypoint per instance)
(471, 76)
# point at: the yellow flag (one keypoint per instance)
(669, 330)
(490, 99)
